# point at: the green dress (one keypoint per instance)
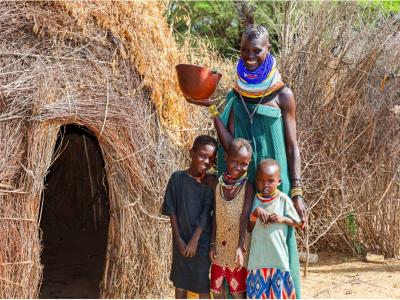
(266, 135)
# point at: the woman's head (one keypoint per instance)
(203, 153)
(268, 176)
(254, 46)
(238, 157)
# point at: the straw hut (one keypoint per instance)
(89, 113)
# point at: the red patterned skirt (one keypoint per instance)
(235, 278)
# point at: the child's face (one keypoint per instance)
(268, 179)
(203, 158)
(253, 52)
(238, 162)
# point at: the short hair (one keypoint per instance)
(238, 144)
(203, 140)
(267, 162)
(254, 32)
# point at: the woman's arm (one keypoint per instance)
(288, 107)
(225, 135)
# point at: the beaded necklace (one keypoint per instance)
(268, 199)
(230, 183)
(196, 178)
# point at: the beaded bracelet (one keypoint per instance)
(213, 110)
(296, 191)
(253, 218)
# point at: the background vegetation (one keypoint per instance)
(341, 59)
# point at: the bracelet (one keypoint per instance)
(211, 244)
(296, 191)
(253, 218)
(213, 110)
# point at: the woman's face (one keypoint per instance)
(254, 51)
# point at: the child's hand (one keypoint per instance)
(239, 258)
(274, 218)
(181, 246)
(191, 248)
(262, 215)
(213, 253)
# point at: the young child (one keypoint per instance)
(188, 201)
(273, 212)
(233, 200)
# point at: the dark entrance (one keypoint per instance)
(75, 217)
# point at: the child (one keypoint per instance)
(188, 201)
(273, 212)
(233, 199)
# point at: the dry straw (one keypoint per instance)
(335, 59)
(110, 67)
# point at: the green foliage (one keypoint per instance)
(219, 21)
(352, 231)
(387, 6)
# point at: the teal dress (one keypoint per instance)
(266, 135)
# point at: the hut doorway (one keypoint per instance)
(75, 217)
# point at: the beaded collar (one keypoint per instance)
(268, 199)
(229, 183)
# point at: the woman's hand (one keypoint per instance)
(262, 215)
(239, 258)
(213, 253)
(203, 102)
(300, 207)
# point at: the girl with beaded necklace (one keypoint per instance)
(232, 205)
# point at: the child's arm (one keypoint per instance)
(175, 234)
(213, 248)
(201, 223)
(244, 217)
(191, 247)
(274, 218)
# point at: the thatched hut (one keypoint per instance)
(89, 111)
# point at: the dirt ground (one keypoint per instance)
(340, 276)
(335, 275)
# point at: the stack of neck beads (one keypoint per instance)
(226, 180)
(269, 198)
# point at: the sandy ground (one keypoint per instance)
(335, 275)
(340, 276)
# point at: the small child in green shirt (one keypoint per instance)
(273, 211)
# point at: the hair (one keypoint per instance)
(238, 144)
(267, 162)
(203, 140)
(254, 32)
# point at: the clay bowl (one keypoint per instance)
(196, 82)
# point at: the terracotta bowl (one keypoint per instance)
(197, 82)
